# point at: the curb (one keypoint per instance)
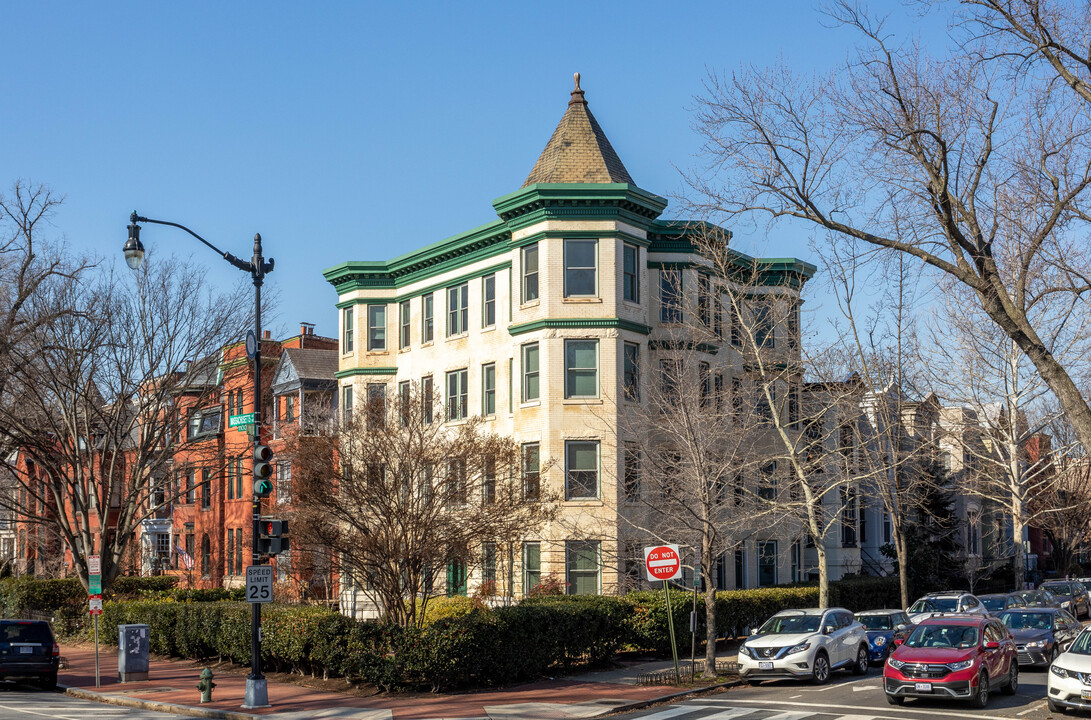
(696, 692)
(125, 701)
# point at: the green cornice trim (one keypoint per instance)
(585, 201)
(462, 249)
(431, 288)
(581, 235)
(677, 264)
(567, 323)
(365, 371)
(674, 345)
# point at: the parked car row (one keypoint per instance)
(948, 645)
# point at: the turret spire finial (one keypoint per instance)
(577, 78)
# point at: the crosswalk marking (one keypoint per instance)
(674, 711)
(788, 716)
(728, 714)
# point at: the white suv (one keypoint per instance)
(804, 644)
(951, 601)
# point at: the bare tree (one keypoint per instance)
(90, 399)
(397, 497)
(1062, 504)
(976, 167)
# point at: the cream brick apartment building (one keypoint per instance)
(536, 321)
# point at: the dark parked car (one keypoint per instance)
(1039, 598)
(1071, 594)
(997, 603)
(1041, 634)
(28, 651)
(883, 628)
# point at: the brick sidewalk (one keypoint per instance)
(174, 682)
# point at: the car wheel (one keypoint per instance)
(981, 699)
(1012, 686)
(1054, 707)
(48, 682)
(1052, 656)
(862, 661)
(821, 669)
(895, 699)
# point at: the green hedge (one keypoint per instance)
(23, 594)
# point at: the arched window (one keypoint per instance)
(206, 556)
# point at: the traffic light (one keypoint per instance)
(271, 536)
(263, 471)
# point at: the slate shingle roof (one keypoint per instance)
(579, 151)
(312, 364)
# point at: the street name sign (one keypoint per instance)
(94, 575)
(259, 583)
(235, 421)
(663, 562)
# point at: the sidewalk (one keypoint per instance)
(173, 682)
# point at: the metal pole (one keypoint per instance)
(97, 683)
(693, 628)
(670, 626)
(257, 691)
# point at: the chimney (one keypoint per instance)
(266, 334)
(306, 328)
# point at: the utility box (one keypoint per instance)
(132, 653)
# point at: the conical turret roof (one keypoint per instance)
(578, 152)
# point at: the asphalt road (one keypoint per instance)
(849, 698)
(20, 702)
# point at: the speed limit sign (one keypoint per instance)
(259, 583)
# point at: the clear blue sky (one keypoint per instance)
(354, 131)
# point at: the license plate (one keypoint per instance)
(1085, 695)
(765, 666)
(922, 687)
(24, 650)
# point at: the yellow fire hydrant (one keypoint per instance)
(206, 685)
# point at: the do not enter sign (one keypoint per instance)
(663, 562)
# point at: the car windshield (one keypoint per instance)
(1026, 620)
(875, 622)
(993, 603)
(26, 632)
(943, 636)
(782, 624)
(935, 604)
(1060, 588)
(1082, 644)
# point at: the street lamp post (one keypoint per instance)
(257, 692)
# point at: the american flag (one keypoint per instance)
(186, 557)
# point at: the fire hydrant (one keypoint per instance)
(206, 685)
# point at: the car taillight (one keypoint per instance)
(56, 650)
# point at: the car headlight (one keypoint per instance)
(1058, 671)
(1037, 644)
(896, 664)
(1066, 603)
(798, 648)
(960, 665)
(880, 641)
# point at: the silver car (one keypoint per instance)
(805, 644)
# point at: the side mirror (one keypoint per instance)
(827, 629)
(992, 645)
(900, 627)
(898, 640)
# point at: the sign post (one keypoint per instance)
(664, 562)
(94, 595)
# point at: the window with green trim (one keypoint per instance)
(581, 268)
(530, 372)
(670, 295)
(403, 318)
(532, 566)
(428, 324)
(376, 327)
(630, 379)
(488, 567)
(488, 301)
(530, 273)
(457, 395)
(630, 277)
(531, 454)
(581, 368)
(458, 311)
(488, 389)
(583, 566)
(581, 470)
(346, 329)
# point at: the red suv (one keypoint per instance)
(953, 656)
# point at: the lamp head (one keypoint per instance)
(134, 249)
